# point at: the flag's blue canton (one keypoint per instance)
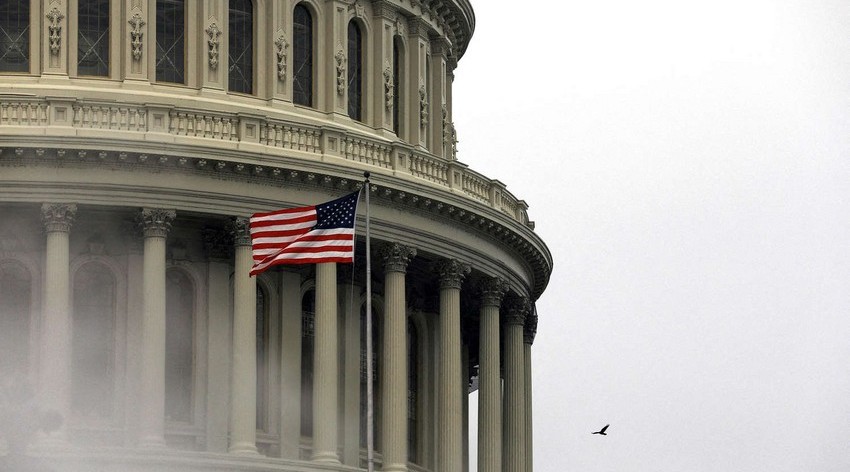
(337, 213)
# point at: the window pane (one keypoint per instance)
(302, 50)
(92, 346)
(179, 346)
(241, 46)
(170, 29)
(14, 36)
(93, 48)
(355, 74)
(396, 85)
(15, 293)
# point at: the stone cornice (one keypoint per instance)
(417, 197)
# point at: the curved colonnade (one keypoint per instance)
(129, 159)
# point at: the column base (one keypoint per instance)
(244, 449)
(325, 458)
(394, 468)
(152, 443)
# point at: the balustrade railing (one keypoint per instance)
(275, 134)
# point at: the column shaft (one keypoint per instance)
(450, 408)
(243, 374)
(489, 390)
(290, 365)
(529, 463)
(514, 441)
(153, 342)
(394, 418)
(56, 329)
(326, 367)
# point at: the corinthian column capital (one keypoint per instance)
(396, 257)
(492, 291)
(156, 222)
(530, 328)
(518, 310)
(58, 217)
(240, 228)
(452, 272)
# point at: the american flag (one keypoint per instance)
(305, 235)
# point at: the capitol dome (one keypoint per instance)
(137, 137)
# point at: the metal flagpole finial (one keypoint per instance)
(366, 174)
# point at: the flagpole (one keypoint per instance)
(370, 416)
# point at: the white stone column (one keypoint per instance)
(326, 367)
(450, 408)
(218, 245)
(350, 358)
(529, 331)
(514, 425)
(489, 384)
(394, 361)
(55, 369)
(156, 223)
(464, 391)
(243, 373)
(416, 92)
(290, 364)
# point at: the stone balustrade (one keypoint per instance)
(195, 127)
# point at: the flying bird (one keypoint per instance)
(602, 431)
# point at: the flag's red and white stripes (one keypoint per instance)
(285, 237)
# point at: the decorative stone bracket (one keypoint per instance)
(136, 35)
(280, 49)
(55, 16)
(213, 43)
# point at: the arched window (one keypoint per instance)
(398, 92)
(170, 41)
(262, 359)
(93, 346)
(15, 293)
(302, 56)
(355, 71)
(240, 46)
(308, 329)
(93, 39)
(179, 346)
(14, 36)
(412, 392)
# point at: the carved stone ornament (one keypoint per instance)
(240, 229)
(136, 35)
(399, 27)
(518, 311)
(213, 34)
(156, 222)
(447, 133)
(454, 141)
(423, 105)
(530, 328)
(452, 272)
(396, 257)
(281, 45)
(358, 9)
(389, 88)
(340, 70)
(58, 217)
(55, 16)
(492, 291)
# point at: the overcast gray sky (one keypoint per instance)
(687, 164)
